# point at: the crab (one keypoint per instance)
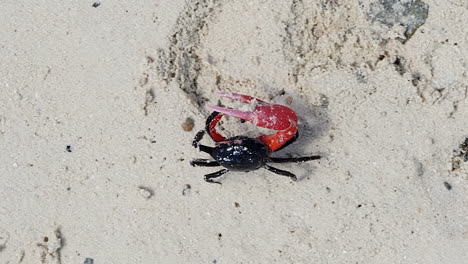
(242, 153)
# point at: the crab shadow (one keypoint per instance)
(313, 126)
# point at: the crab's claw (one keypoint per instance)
(271, 116)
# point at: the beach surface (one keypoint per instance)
(100, 101)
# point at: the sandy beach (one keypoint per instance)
(100, 102)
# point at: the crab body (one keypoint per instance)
(241, 154)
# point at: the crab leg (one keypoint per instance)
(294, 159)
(209, 177)
(281, 172)
(204, 163)
(271, 116)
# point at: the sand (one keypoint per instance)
(95, 147)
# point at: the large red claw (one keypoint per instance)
(271, 116)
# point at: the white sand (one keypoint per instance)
(115, 83)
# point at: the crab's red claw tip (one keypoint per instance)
(236, 96)
(224, 94)
(231, 112)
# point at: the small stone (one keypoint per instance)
(448, 186)
(188, 124)
(146, 192)
(410, 14)
(186, 190)
(289, 100)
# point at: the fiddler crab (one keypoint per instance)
(241, 153)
